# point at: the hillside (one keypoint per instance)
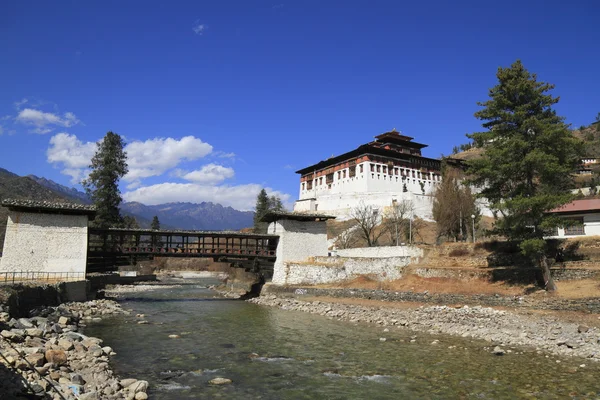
(68, 192)
(203, 216)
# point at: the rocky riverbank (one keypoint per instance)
(503, 329)
(44, 355)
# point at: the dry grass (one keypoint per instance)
(411, 283)
(414, 283)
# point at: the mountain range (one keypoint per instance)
(188, 216)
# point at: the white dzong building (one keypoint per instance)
(379, 173)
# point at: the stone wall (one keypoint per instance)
(381, 252)
(321, 270)
(45, 242)
(21, 299)
(298, 240)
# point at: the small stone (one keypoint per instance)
(78, 379)
(499, 351)
(127, 382)
(142, 322)
(36, 359)
(139, 386)
(63, 321)
(174, 336)
(382, 339)
(220, 381)
(582, 366)
(34, 332)
(140, 396)
(56, 357)
(65, 344)
(583, 328)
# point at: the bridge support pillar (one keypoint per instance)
(300, 236)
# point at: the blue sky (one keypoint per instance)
(217, 99)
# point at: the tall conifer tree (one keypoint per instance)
(528, 160)
(109, 164)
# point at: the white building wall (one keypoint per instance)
(374, 188)
(45, 243)
(298, 240)
(591, 225)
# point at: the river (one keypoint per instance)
(270, 353)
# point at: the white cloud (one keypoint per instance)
(44, 122)
(209, 174)
(152, 157)
(199, 28)
(240, 197)
(222, 154)
(155, 156)
(19, 103)
(72, 154)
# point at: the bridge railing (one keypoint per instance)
(13, 277)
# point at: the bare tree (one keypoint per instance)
(453, 205)
(346, 238)
(367, 219)
(396, 219)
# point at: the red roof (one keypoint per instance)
(586, 205)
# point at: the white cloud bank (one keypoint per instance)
(72, 154)
(45, 122)
(155, 157)
(240, 197)
(209, 174)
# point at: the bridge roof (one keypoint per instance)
(182, 232)
(277, 215)
(49, 207)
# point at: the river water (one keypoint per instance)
(270, 353)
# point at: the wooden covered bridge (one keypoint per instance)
(110, 248)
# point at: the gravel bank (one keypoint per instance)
(501, 328)
(44, 356)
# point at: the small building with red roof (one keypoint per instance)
(585, 213)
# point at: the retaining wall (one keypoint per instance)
(320, 270)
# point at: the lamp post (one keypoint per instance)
(473, 219)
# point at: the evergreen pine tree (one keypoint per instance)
(262, 207)
(528, 160)
(155, 225)
(109, 164)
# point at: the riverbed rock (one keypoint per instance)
(56, 357)
(499, 351)
(141, 396)
(138, 386)
(36, 359)
(220, 381)
(583, 328)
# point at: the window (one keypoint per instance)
(413, 174)
(309, 185)
(378, 168)
(384, 169)
(361, 168)
(344, 173)
(329, 178)
(577, 229)
(352, 171)
(395, 171)
(339, 174)
(302, 185)
(320, 180)
(372, 168)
